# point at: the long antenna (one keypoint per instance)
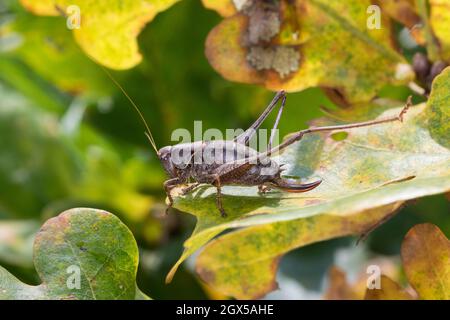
(148, 133)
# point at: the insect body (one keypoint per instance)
(234, 162)
(245, 167)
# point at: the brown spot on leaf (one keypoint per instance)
(264, 20)
(284, 60)
(399, 180)
(310, 202)
(205, 274)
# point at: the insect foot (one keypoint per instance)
(263, 189)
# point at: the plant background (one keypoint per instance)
(69, 138)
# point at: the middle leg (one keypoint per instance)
(219, 203)
(214, 179)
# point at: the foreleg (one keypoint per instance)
(168, 186)
(219, 203)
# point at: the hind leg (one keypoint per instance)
(219, 203)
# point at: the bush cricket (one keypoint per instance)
(240, 164)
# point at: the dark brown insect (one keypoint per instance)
(234, 162)
(242, 165)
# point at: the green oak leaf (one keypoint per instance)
(366, 177)
(108, 30)
(91, 243)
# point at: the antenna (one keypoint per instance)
(148, 133)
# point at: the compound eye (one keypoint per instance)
(164, 153)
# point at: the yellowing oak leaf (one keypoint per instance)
(244, 263)
(108, 30)
(426, 260)
(366, 177)
(299, 44)
(440, 23)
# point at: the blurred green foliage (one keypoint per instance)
(69, 138)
